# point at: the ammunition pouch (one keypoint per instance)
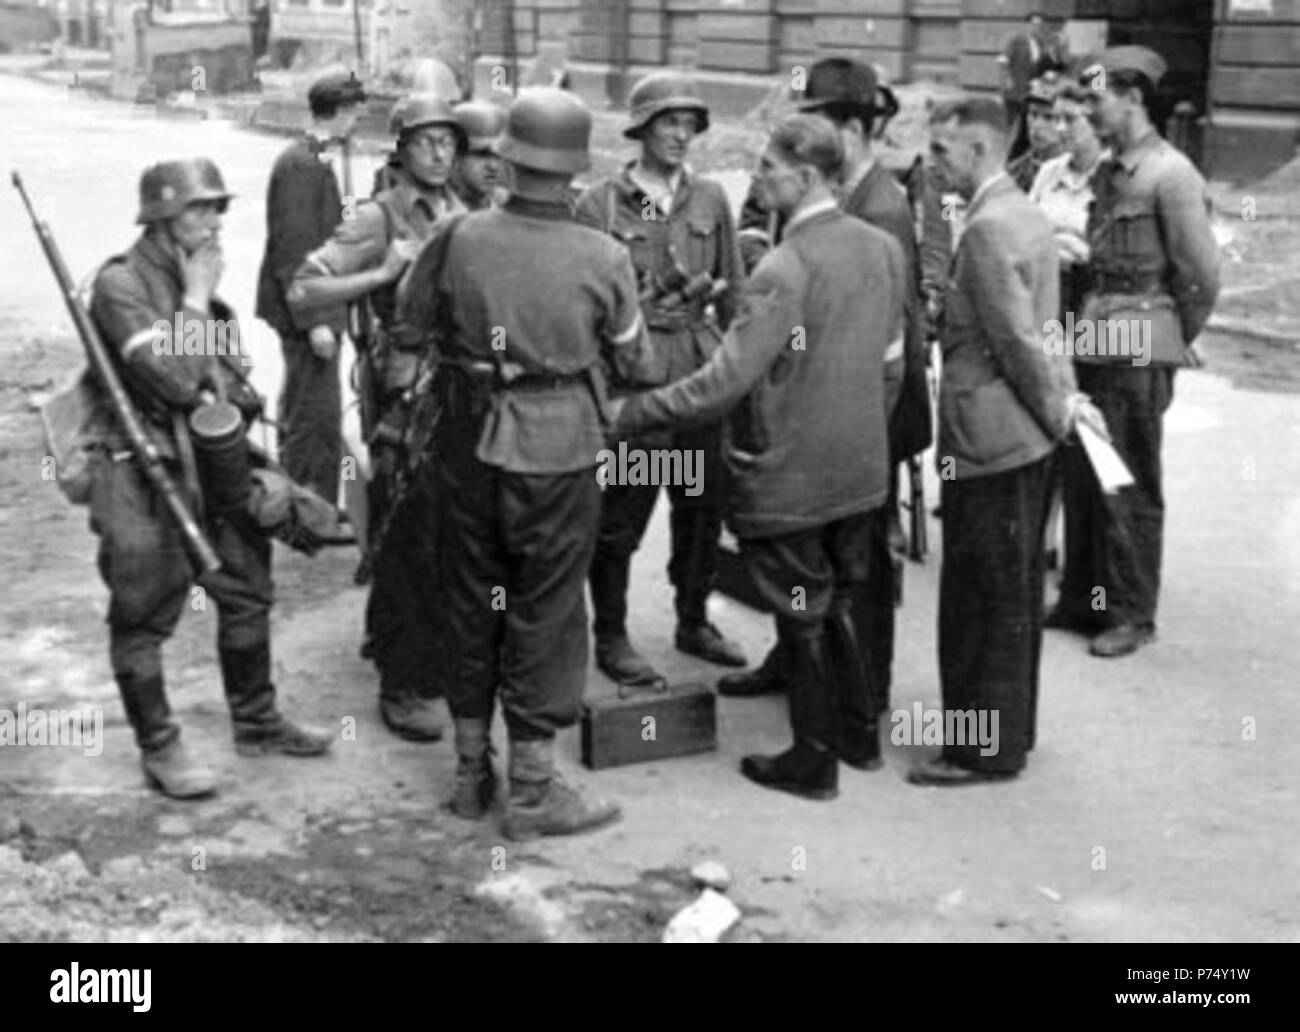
(676, 319)
(296, 515)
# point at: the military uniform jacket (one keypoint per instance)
(401, 212)
(165, 351)
(302, 208)
(1153, 254)
(804, 367)
(543, 304)
(1002, 397)
(700, 231)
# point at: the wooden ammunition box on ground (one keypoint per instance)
(645, 724)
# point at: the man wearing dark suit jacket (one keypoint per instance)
(806, 447)
(1005, 403)
(303, 205)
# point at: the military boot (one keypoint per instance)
(259, 726)
(809, 768)
(858, 723)
(622, 664)
(175, 773)
(147, 711)
(476, 780)
(410, 716)
(768, 679)
(540, 801)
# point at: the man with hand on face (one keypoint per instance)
(364, 259)
(803, 366)
(1005, 404)
(303, 205)
(173, 267)
(678, 229)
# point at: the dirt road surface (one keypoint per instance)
(1160, 803)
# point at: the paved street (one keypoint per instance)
(1146, 813)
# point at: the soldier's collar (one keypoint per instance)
(1133, 157)
(411, 194)
(632, 188)
(534, 209)
(152, 252)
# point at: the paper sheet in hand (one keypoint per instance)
(1111, 472)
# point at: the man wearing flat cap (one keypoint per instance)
(679, 231)
(303, 205)
(1154, 265)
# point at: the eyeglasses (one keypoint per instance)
(431, 142)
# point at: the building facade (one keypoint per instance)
(1236, 62)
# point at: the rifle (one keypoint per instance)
(100, 361)
(418, 409)
(414, 445)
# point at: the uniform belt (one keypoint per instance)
(682, 317)
(1127, 283)
(485, 375)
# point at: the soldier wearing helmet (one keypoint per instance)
(529, 307)
(481, 177)
(152, 305)
(361, 262)
(678, 228)
(303, 205)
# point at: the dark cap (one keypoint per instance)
(1131, 59)
(331, 92)
(1044, 89)
(840, 81)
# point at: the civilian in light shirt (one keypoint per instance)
(1063, 190)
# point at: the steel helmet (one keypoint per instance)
(482, 122)
(167, 187)
(548, 130)
(420, 109)
(660, 92)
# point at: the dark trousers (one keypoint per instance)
(517, 551)
(310, 417)
(143, 562)
(1116, 543)
(696, 522)
(799, 574)
(812, 579)
(404, 616)
(873, 602)
(991, 607)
